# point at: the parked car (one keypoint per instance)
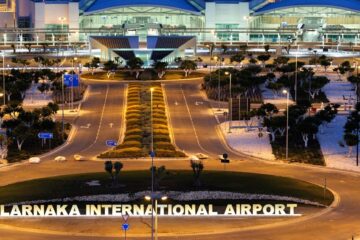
(60, 159)
(201, 156)
(194, 158)
(78, 157)
(34, 160)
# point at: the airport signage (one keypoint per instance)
(71, 80)
(145, 210)
(45, 135)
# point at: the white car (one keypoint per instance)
(60, 159)
(78, 157)
(194, 158)
(201, 156)
(34, 160)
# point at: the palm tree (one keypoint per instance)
(117, 167)
(159, 174)
(109, 169)
(197, 167)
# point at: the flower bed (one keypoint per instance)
(176, 196)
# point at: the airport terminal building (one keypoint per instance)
(210, 20)
(119, 26)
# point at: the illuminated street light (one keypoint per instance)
(287, 124)
(152, 155)
(230, 101)
(154, 198)
(3, 77)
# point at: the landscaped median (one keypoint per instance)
(140, 125)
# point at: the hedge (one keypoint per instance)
(134, 137)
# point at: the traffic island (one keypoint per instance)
(218, 190)
(146, 125)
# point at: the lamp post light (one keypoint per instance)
(230, 101)
(219, 90)
(3, 77)
(154, 198)
(152, 155)
(72, 83)
(357, 102)
(296, 73)
(287, 124)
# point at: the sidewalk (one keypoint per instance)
(35, 99)
(248, 142)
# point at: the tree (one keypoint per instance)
(21, 133)
(135, 64)
(314, 86)
(93, 65)
(309, 126)
(326, 115)
(263, 58)
(188, 66)
(325, 61)
(159, 174)
(110, 67)
(238, 58)
(53, 107)
(44, 88)
(160, 68)
(280, 61)
(351, 140)
(274, 125)
(197, 167)
(275, 88)
(355, 80)
(344, 68)
(267, 110)
(109, 169)
(117, 168)
(13, 109)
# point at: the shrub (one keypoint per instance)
(161, 131)
(160, 126)
(132, 152)
(129, 144)
(133, 116)
(169, 153)
(164, 146)
(161, 138)
(134, 131)
(133, 137)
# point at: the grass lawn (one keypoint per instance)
(134, 181)
(123, 75)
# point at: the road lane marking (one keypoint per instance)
(101, 120)
(192, 122)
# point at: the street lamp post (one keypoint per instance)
(230, 101)
(72, 84)
(62, 108)
(219, 99)
(155, 198)
(3, 78)
(296, 73)
(287, 124)
(152, 154)
(357, 102)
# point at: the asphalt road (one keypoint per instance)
(194, 128)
